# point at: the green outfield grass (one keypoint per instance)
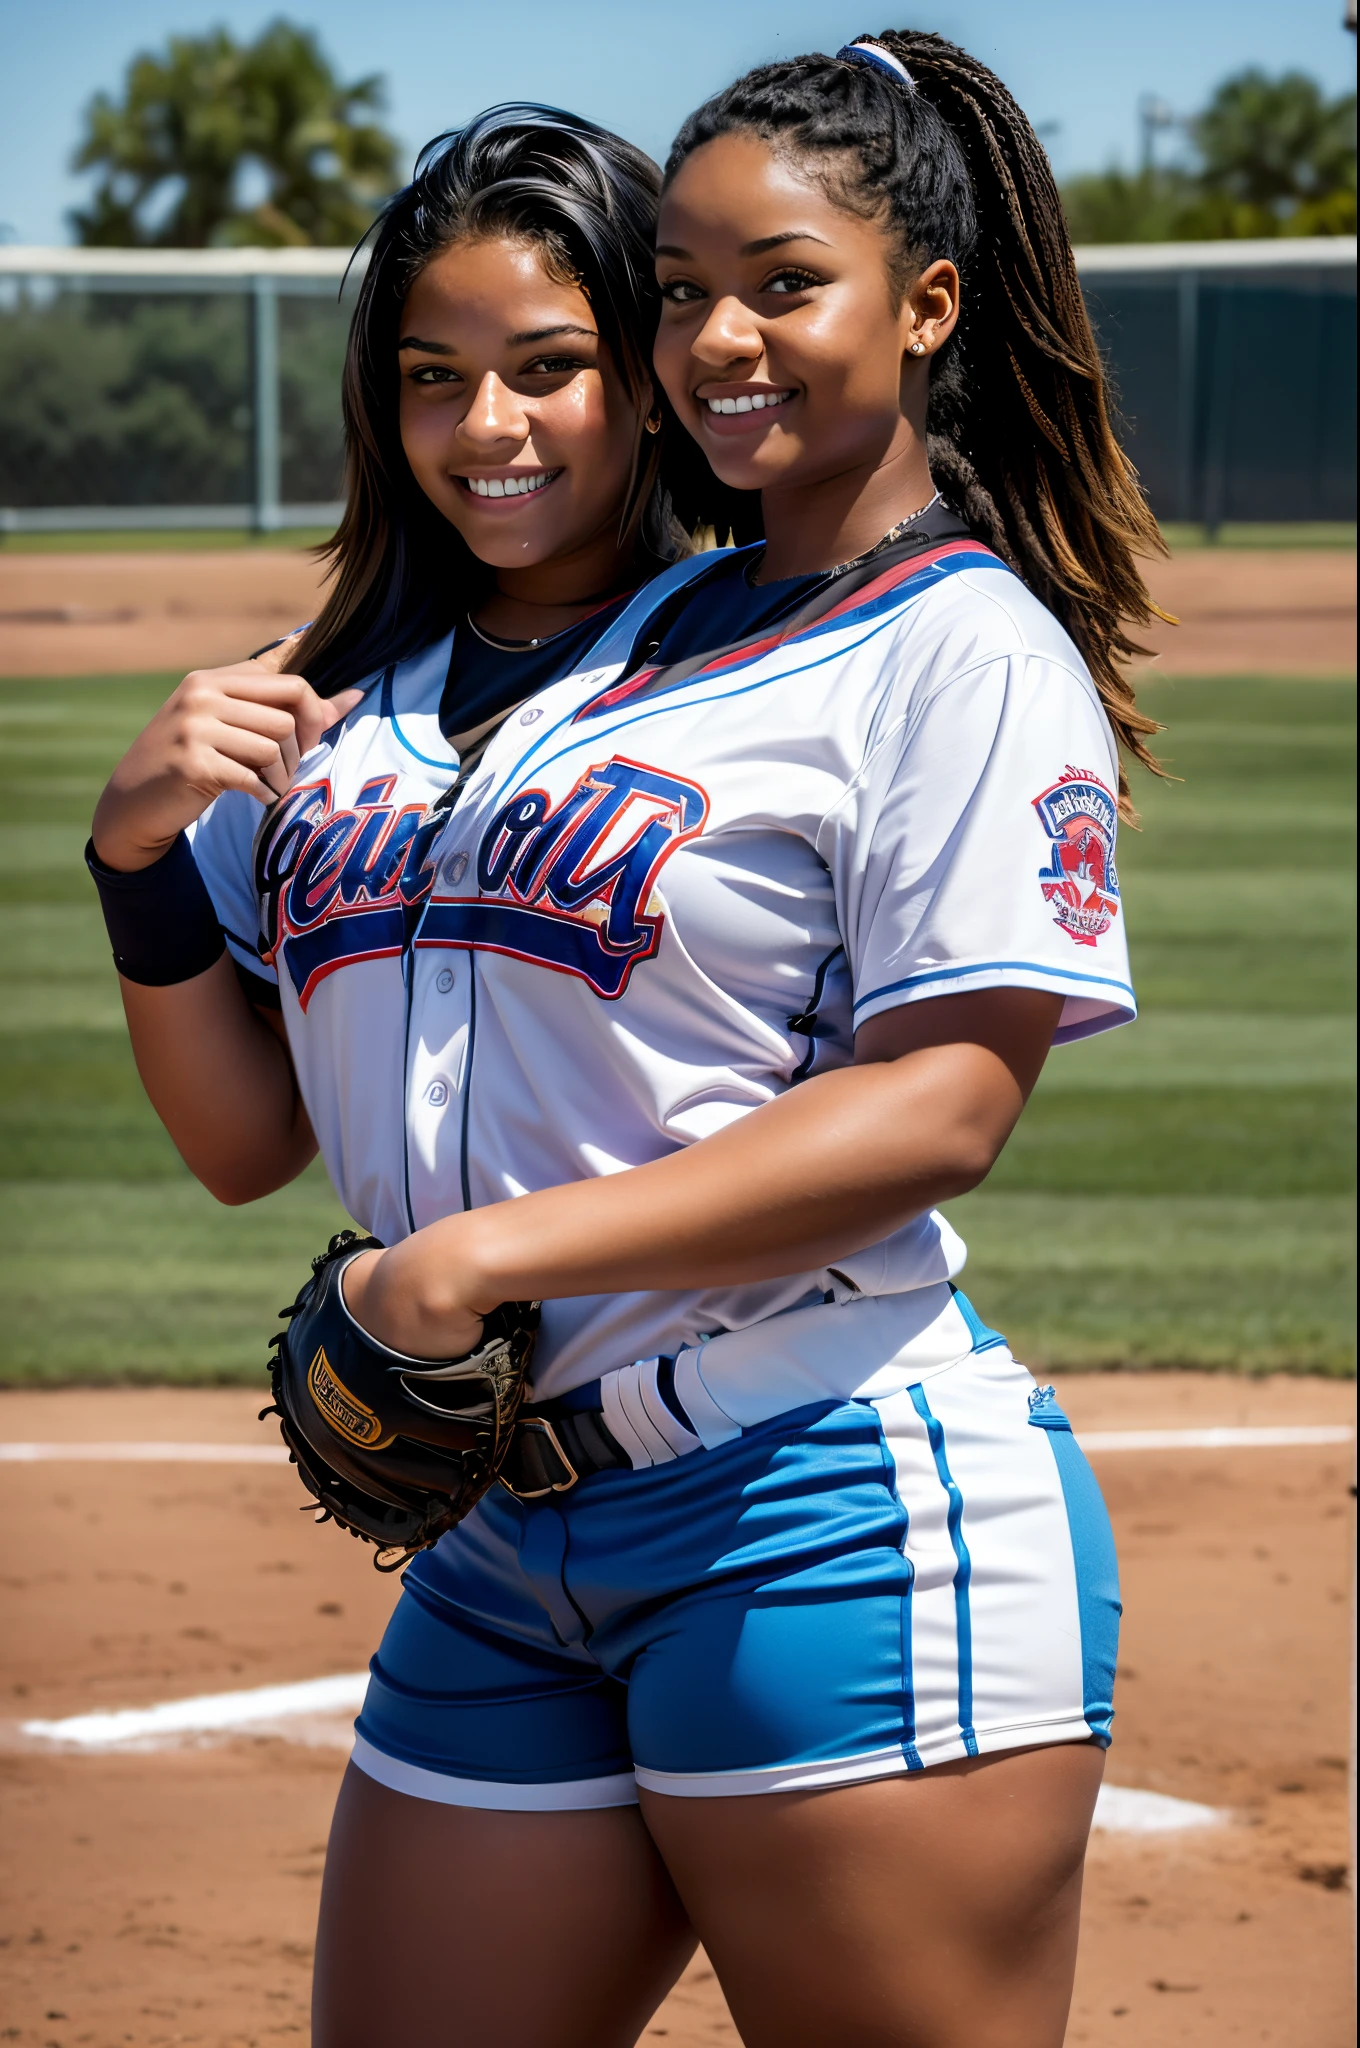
(1294, 533)
(1177, 1194)
(160, 540)
(1330, 533)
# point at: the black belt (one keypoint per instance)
(554, 1445)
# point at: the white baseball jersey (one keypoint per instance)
(665, 898)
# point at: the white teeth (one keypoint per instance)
(510, 486)
(757, 401)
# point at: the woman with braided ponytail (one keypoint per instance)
(793, 1628)
(919, 137)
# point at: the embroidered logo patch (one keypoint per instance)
(345, 1412)
(1080, 884)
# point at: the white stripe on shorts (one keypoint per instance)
(569, 1795)
(854, 1770)
(996, 1654)
(836, 1770)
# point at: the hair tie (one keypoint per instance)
(881, 60)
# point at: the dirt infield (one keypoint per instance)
(169, 1896)
(1246, 610)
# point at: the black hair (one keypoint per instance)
(1018, 428)
(587, 201)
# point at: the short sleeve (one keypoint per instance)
(976, 849)
(223, 842)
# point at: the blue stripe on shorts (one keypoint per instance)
(1093, 1556)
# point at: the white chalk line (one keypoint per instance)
(310, 1712)
(1098, 1440)
(211, 1713)
(1245, 1439)
(1125, 1810)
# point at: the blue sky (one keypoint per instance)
(639, 66)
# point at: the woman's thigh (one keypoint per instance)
(937, 1910)
(453, 1927)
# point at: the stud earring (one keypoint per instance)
(918, 348)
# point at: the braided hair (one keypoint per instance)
(1018, 429)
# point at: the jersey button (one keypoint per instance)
(443, 981)
(437, 1094)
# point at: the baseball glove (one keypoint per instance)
(394, 1449)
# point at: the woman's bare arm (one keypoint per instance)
(219, 1077)
(835, 1164)
(216, 1069)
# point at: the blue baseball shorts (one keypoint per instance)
(847, 1591)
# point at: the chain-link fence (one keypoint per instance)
(171, 388)
(201, 388)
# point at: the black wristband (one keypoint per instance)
(160, 919)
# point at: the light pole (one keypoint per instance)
(1155, 113)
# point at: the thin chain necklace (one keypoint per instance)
(519, 646)
(597, 603)
(894, 533)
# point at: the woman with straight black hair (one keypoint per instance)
(585, 201)
(265, 850)
(509, 476)
(745, 948)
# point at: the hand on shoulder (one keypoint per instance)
(242, 727)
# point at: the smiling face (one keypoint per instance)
(784, 345)
(514, 419)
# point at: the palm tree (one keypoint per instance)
(197, 122)
(1280, 152)
(1275, 157)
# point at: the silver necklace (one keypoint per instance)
(893, 533)
(511, 646)
(856, 561)
(528, 646)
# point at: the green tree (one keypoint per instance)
(1273, 156)
(176, 151)
(1128, 206)
(1276, 145)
